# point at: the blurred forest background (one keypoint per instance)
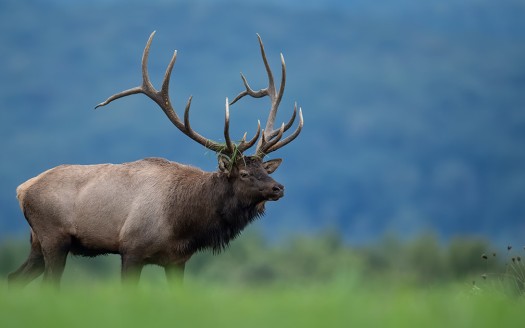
(414, 117)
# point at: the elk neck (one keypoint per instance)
(234, 213)
(217, 216)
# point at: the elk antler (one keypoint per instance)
(163, 100)
(271, 138)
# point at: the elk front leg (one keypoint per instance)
(175, 273)
(131, 269)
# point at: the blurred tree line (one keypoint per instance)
(252, 260)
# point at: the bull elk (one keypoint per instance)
(154, 211)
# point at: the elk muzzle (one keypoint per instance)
(277, 191)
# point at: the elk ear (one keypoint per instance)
(272, 165)
(224, 164)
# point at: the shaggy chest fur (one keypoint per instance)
(227, 226)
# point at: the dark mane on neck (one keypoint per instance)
(231, 223)
(228, 217)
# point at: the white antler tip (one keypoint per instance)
(227, 108)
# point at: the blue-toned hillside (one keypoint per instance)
(414, 110)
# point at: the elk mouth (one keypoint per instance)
(276, 197)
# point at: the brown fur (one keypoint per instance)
(151, 211)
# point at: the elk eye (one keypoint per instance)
(244, 174)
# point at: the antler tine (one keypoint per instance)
(124, 93)
(275, 98)
(249, 91)
(287, 125)
(291, 137)
(163, 100)
(268, 91)
(262, 150)
(146, 86)
(246, 145)
(227, 139)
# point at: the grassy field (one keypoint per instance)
(197, 305)
(306, 283)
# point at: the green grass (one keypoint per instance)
(305, 283)
(198, 305)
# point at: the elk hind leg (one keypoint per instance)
(31, 268)
(55, 252)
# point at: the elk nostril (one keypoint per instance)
(278, 188)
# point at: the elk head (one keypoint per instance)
(247, 173)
